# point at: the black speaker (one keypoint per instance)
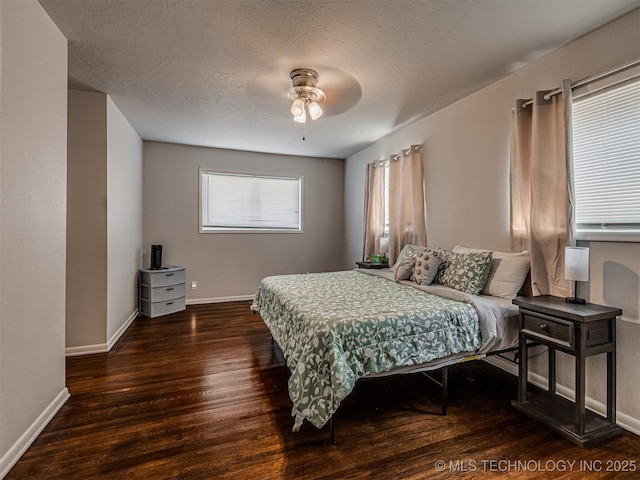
(156, 257)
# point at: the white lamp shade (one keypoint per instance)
(315, 111)
(301, 118)
(576, 264)
(384, 244)
(297, 107)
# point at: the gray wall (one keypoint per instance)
(86, 219)
(104, 222)
(124, 220)
(231, 265)
(33, 157)
(467, 189)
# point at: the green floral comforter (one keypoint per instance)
(334, 328)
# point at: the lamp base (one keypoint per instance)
(576, 300)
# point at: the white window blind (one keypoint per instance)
(606, 150)
(240, 202)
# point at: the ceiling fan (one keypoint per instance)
(269, 92)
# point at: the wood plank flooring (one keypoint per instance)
(202, 394)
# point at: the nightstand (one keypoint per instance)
(580, 331)
(162, 291)
(372, 265)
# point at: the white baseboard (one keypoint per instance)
(102, 347)
(14, 453)
(86, 349)
(237, 298)
(123, 328)
(628, 422)
(503, 364)
(623, 420)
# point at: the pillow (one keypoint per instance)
(465, 272)
(507, 274)
(426, 266)
(445, 255)
(408, 251)
(404, 268)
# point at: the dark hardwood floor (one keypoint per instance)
(202, 394)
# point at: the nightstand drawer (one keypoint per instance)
(156, 309)
(162, 278)
(160, 294)
(549, 328)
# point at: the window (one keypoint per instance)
(233, 202)
(606, 151)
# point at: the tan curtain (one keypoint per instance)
(406, 201)
(373, 209)
(539, 186)
(519, 179)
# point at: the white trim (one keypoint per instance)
(21, 445)
(102, 347)
(247, 230)
(623, 236)
(123, 328)
(622, 419)
(628, 422)
(201, 301)
(86, 350)
(502, 364)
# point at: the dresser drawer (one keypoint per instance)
(549, 328)
(158, 294)
(156, 309)
(161, 278)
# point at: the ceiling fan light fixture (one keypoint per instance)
(305, 95)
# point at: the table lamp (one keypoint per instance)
(576, 268)
(384, 247)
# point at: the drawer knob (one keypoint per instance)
(544, 326)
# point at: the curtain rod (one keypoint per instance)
(586, 81)
(406, 151)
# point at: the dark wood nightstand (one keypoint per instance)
(372, 265)
(580, 331)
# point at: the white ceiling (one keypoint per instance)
(216, 72)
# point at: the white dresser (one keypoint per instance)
(162, 291)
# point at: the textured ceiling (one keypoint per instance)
(216, 72)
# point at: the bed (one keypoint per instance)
(338, 327)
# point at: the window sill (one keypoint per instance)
(623, 236)
(249, 230)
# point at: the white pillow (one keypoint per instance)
(507, 274)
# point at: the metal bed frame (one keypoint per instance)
(443, 382)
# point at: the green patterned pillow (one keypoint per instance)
(465, 272)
